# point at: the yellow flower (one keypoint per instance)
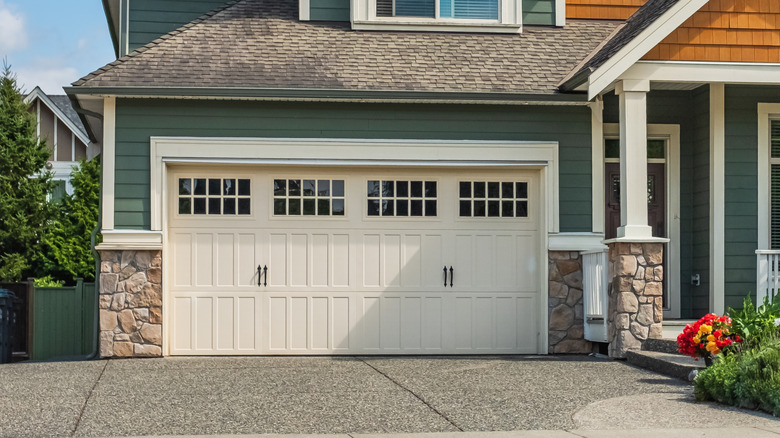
(696, 339)
(705, 328)
(711, 338)
(713, 348)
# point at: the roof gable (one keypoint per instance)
(61, 107)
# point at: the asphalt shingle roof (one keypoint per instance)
(63, 103)
(261, 44)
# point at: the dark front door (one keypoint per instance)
(656, 199)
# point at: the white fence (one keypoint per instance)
(767, 274)
(595, 284)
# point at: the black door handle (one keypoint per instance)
(451, 276)
(259, 276)
(265, 275)
(445, 276)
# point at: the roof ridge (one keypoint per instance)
(162, 38)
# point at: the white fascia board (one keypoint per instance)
(575, 242)
(639, 46)
(438, 26)
(130, 240)
(701, 72)
(62, 169)
(37, 93)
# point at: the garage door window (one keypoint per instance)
(402, 198)
(214, 196)
(493, 199)
(309, 197)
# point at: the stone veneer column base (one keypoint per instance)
(131, 304)
(635, 295)
(566, 323)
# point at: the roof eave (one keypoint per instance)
(111, 28)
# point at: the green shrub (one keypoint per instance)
(748, 379)
(48, 281)
(753, 324)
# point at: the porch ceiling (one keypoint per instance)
(676, 86)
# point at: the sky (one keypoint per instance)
(51, 43)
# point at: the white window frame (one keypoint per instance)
(767, 113)
(363, 17)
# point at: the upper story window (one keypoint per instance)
(499, 16)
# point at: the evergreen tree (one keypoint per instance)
(25, 183)
(69, 248)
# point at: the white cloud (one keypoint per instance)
(13, 33)
(51, 79)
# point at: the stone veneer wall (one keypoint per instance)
(130, 304)
(567, 330)
(635, 295)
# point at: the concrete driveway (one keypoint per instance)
(232, 395)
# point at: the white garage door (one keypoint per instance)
(289, 260)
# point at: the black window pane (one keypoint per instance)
(215, 206)
(402, 189)
(244, 206)
(373, 207)
(229, 206)
(507, 190)
(387, 208)
(430, 189)
(522, 209)
(479, 208)
(199, 205)
(280, 206)
(294, 186)
(338, 207)
(416, 208)
(308, 207)
(323, 187)
(243, 187)
(185, 206)
(417, 189)
(493, 190)
(465, 208)
(338, 187)
(430, 207)
(185, 186)
(323, 207)
(373, 189)
(494, 209)
(387, 188)
(229, 187)
(522, 190)
(280, 187)
(479, 189)
(402, 207)
(215, 187)
(200, 186)
(465, 191)
(309, 187)
(294, 207)
(507, 209)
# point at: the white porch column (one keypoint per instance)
(633, 159)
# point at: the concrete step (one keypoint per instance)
(661, 345)
(674, 365)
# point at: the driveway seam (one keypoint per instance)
(86, 401)
(439, 413)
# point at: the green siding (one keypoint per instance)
(697, 302)
(540, 12)
(741, 194)
(138, 120)
(329, 10)
(150, 19)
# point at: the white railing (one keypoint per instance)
(595, 284)
(767, 274)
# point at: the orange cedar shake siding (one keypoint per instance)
(603, 9)
(725, 31)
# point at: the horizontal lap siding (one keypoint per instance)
(150, 19)
(741, 195)
(138, 120)
(329, 10)
(697, 303)
(541, 12)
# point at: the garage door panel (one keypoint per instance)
(342, 323)
(204, 259)
(246, 265)
(204, 323)
(277, 319)
(299, 323)
(225, 261)
(277, 251)
(371, 261)
(248, 308)
(320, 329)
(298, 263)
(411, 323)
(225, 323)
(181, 325)
(411, 265)
(320, 261)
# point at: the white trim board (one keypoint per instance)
(671, 133)
(130, 240)
(108, 167)
(717, 198)
(638, 47)
(703, 72)
(766, 113)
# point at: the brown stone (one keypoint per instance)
(571, 346)
(106, 344)
(623, 248)
(135, 282)
(141, 314)
(566, 267)
(552, 273)
(105, 267)
(645, 315)
(644, 299)
(627, 303)
(656, 331)
(577, 331)
(575, 295)
(123, 349)
(561, 318)
(658, 310)
(143, 350)
(105, 301)
(116, 268)
(639, 331)
(555, 336)
(155, 315)
(654, 253)
(621, 321)
(649, 274)
(640, 273)
(126, 272)
(638, 286)
(127, 321)
(558, 290)
(122, 337)
(108, 320)
(150, 296)
(640, 259)
(152, 333)
(654, 288)
(623, 284)
(624, 341)
(108, 283)
(154, 275)
(127, 257)
(635, 248)
(625, 265)
(136, 338)
(574, 279)
(143, 259)
(658, 273)
(559, 255)
(118, 302)
(156, 261)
